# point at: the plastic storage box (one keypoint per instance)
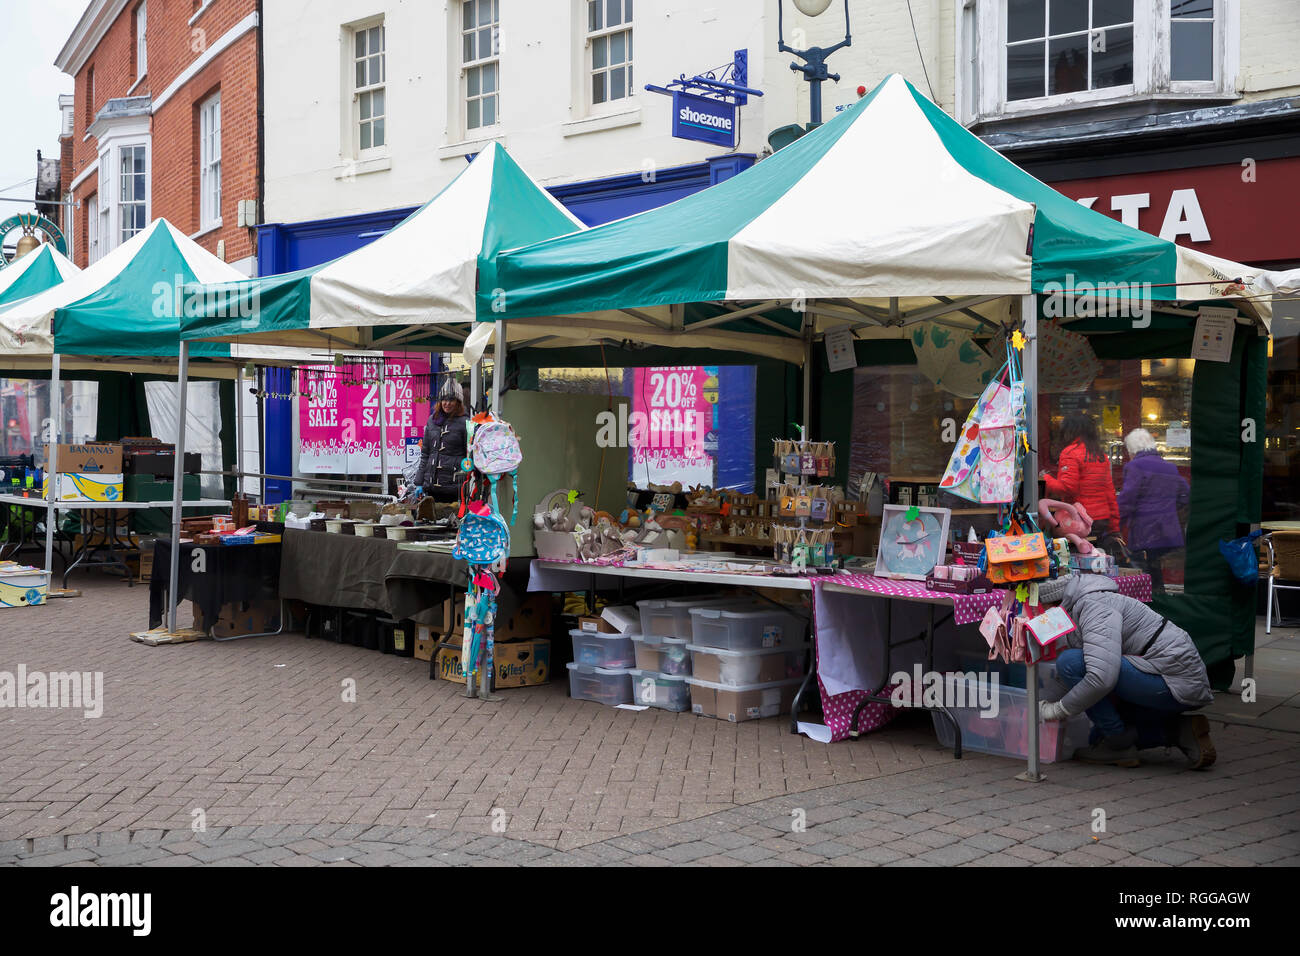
(760, 665)
(671, 617)
(665, 691)
(1006, 734)
(601, 650)
(742, 702)
(741, 629)
(666, 655)
(604, 685)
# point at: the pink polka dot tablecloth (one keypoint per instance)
(837, 710)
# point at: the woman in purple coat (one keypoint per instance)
(1151, 504)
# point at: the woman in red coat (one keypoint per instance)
(1083, 473)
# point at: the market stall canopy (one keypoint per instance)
(889, 214)
(412, 286)
(120, 313)
(34, 273)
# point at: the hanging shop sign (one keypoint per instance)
(706, 106)
(27, 225)
(339, 423)
(704, 120)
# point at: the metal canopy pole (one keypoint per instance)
(383, 425)
(239, 429)
(51, 463)
(1029, 323)
(178, 478)
(807, 377)
(499, 367)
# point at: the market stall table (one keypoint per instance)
(226, 575)
(102, 535)
(342, 570)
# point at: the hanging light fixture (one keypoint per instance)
(812, 8)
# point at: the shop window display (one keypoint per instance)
(25, 414)
(904, 425)
(1281, 497)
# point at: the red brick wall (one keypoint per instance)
(173, 45)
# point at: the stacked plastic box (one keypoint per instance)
(600, 668)
(662, 660)
(747, 662)
(1005, 733)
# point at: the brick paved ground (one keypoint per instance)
(255, 735)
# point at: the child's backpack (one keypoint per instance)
(494, 451)
(483, 539)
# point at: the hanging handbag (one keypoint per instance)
(1017, 555)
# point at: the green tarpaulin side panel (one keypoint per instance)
(122, 408)
(226, 404)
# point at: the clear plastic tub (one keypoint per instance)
(665, 691)
(671, 617)
(666, 655)
(760, 665)
(604, 685)
(602, 650)
(1006, 733)
(741, 629)
(744, 701)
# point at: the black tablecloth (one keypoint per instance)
(232, 574)
(341, 570)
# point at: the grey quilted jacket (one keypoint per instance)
(1110, 626)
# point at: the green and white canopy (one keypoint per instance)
(413, 286)
(120, 313)
(890, 213)
(34, 273)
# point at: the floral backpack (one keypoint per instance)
(494, 451)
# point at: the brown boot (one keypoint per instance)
(1194, 741)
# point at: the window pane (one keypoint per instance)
(594, 20)
(376, 39)
(616, 48)
(472, 81)
(627, 11)
(472, 114)
(1114, 65)
(1107, 12)
(361, 74)
(365, 106)
(484, 13)
(628, 35)
(489, 110)
(139, 188)
(598, 88)
(1191, 8)
(376, 69)
(616, 90)
(484, 43)
(1067, 16)
(613, 15)
(1025, 71)
(469, 48)
(1068, 59)
(490, 78)
(598, 53)
(467, 14)
(377, 108)
(365, 135)
(1192, 51)
(379, 132)
(360, 43)
(1026, 19)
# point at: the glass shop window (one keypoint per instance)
(688, 424)
(25, 414)
(1141, 411)
(1281, 496)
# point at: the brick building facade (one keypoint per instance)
(165, 124)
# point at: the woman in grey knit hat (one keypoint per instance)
(443, 447)
(1134, 672)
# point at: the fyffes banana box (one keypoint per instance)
(86, 487)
